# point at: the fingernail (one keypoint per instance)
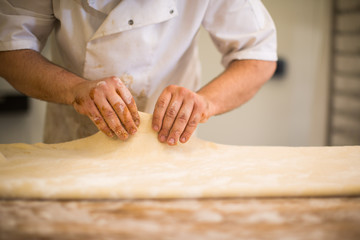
(162, 138)
(183, 139)
(156, 128)
(133, 131)
(171, 141)
(137, 122)
(124, 135)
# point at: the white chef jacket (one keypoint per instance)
(154, 41)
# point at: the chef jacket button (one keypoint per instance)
(171, 11)
(131, 22)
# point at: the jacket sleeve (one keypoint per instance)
(25, 24)
(241, 29)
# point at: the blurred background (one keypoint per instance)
(313, 100)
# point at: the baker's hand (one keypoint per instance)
(109, 104)
(177, 113)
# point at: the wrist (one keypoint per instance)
(73, 90)
(210, 107)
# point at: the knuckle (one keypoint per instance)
(191, 97)
(200, 105)
(182, 118)
(171, 113)
(132, 103)
(119, 107)
(79, 100)
(96, 119)
(101, 85)
(161, 103)
(114, 79)
(119, 83)
(171, 88)
(92, 93)
(108, 114)
(183, 91)
(192, 123)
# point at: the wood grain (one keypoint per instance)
(246, 218)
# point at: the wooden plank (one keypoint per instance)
(344, 137)
(350, 124)
(289, 218)
(348, 22)
(350, 64)
(347, 43)
(347, 5)
(346, 103)
(347, 84)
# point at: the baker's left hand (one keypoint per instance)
(177, 113)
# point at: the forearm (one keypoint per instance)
(32, 74)
(236, 85)
(178, 110)
(107, 102)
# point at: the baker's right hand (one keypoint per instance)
(109, 104)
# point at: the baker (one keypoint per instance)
(113, 58)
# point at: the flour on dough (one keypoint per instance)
(98, 167)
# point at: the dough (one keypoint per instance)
(98, 167)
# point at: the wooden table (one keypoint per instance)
(244, 218)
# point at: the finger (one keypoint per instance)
(180, 123)
(99, 122)
(111, 119)
(134, 113)
(93, 113)
(123, 114)
(191, 125)
(160, 109)
(169, 118)
(128, 99)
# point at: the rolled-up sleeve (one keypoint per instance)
(25, 24)
(241, 29)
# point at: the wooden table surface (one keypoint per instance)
(244, 218)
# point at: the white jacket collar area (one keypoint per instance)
(130, 14)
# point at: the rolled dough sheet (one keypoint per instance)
(98, 167)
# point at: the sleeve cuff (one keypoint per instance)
(17, 45)
(242, 55)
